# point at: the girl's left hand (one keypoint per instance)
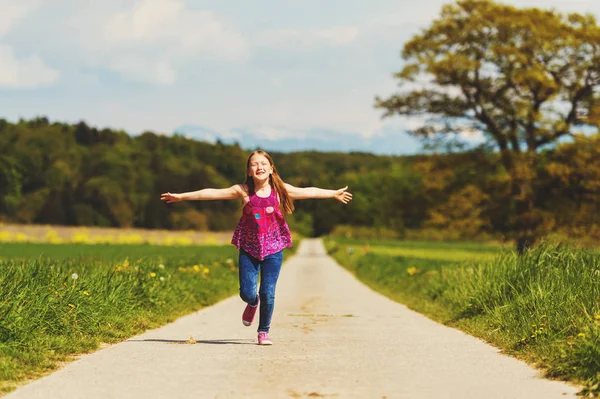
(342, 195)
(168, 197)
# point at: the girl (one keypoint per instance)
(262, 232)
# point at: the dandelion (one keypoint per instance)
(196, 268)
(206, 270)
(597, 317)
(74, 276)
(86, 293)
(152, 274)
(412, 271)
(162, 278)
(71, 306)
(581, 335)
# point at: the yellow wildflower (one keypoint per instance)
(86, 293)
(206, 270)
(581, 335)
(196, 268)
(152, 274)
(412, 270)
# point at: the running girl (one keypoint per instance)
(262, 232)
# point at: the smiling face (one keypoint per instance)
(259, 167)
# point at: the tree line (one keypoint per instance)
(63, 174)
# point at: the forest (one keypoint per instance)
(78, 175)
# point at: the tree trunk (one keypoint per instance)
(524, 242)
(525, 220)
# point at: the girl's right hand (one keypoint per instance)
(342, 195)
(171, 197)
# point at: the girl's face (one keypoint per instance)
(259, 167)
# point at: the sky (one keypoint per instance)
(304, 73)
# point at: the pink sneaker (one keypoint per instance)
(263, 338)
(248, 315)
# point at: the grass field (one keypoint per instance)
(60, 300)
(543, 307)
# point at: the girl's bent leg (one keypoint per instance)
(248, 275)
(270, 268)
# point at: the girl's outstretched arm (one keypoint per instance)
(298, 193)
(233, 192)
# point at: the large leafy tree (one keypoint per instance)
(524, 78)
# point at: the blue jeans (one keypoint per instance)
(269, 269)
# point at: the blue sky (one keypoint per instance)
(277, 70)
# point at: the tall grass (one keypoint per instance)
(543, 306)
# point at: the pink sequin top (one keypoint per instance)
(262, 229)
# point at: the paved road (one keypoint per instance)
(334, 338)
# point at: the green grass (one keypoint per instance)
(61, 300)
(99, 251)
(543, 307)
(473, 247)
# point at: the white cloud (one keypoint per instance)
(146, 21)
(140, 70)
(152, 40)
(333, 36)
(14, 12)
(276, 81)
(163, 22)
(336, 36)
(27, 72)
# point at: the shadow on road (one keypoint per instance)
(200, 341)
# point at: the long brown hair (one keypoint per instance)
(274, 180)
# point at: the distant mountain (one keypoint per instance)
(390, 142)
